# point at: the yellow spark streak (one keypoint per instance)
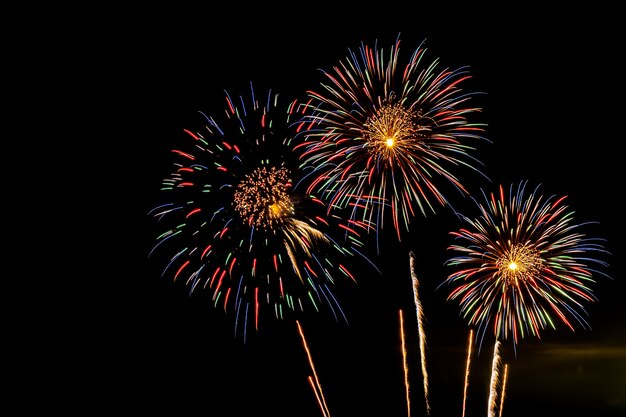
(317, 394)
(506, 369)
(323, 405)
(467, 369)
(405, 365)
(299, 234)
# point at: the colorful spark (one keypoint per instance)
(385, 136)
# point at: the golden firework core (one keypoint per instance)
(262, 198)
(275, 208)
(388, 127)
(520, 263)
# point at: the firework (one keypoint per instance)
(419, 312)
(314, 380)
(405, 365)
(384, 135)
(503, 391)
(523, 265)
(496, 363)
(467, 370)
(236, 226)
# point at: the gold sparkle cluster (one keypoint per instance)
(390, 129)
(520, 263)
(262, 198)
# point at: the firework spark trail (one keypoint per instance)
(405, 366)
(467, 369)
(236, 226)
(384, 135)
(504, 378)
(522, 265)
(318, 392)
(420, 327)
(495, 376)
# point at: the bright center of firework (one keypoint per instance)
(262, 198)
(389, 127)
(519, 263)
(275, 208)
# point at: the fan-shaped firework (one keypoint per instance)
(523, 265)
(236, 226)
(387, 136)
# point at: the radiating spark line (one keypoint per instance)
(315, 389)
(323, 405)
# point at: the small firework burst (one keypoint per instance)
(236, 227)
(523, 265)
(262, 198)
(385, 137)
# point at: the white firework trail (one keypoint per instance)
(495, 377)
(420, 327)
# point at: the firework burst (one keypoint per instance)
(385, 135)
(523, 265)
(236, 227)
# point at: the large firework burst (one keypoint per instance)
(523, 265)
(236, 227)
(385, 135)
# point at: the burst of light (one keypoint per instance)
(233, 223)
(523, 265)
(386, 133)
(262, 198)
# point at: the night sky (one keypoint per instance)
(552, 111)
